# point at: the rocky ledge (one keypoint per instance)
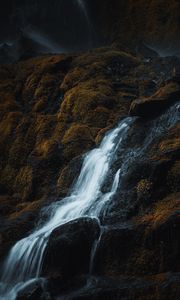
(53, 110)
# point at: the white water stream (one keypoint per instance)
(24, 261)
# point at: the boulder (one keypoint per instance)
(114, 250)
(69, 249)
(162, 99)
(69, 174)
(33, 290)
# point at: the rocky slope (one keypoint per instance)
(53, 110)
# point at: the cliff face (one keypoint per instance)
(74, 24)
(60, 26)
(53, 110)
(155, 22)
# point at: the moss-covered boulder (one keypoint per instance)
(155, 104)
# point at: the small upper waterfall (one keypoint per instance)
(25, 258)
(82, 6)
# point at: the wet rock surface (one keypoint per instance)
(68, 251)
(53, 110)
(158, 102)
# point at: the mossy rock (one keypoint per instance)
(77, 140)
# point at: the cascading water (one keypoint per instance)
(24, 262)
(83, 7)
(25, 258)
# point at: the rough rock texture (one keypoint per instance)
(68, 252)
(53, 110)
(153, 105)
(155, 22)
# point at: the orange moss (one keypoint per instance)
(7, 177)
(86, 97)
(72, 78)
(170, 144)
(9, 123)
(161, 211)
(23, 182)
(24, 207)
(77, 140)
(143, 188)
(98, 117)
(103, 56)
(77, 132)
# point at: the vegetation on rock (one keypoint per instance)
(54, 109)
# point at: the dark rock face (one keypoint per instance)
(116, 246)
(33, 291)
(40, 20)
(128, 288)
(22, 48)
(69, 249)
(93, 23)
(133, 22)
(155, 104)
(163, 239)
(69, 174)
(16, 228)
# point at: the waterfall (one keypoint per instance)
(24, 261)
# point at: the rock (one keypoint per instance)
(69, 249)
(163, 287)
(132, 22)
(69, 174)
(76, 138)
(114, 250)
(145, 51)
(17, 226)
(158, 246)
(148, 246)
(163, 239)
(33, 290)
(176, 73)
(162, 99)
